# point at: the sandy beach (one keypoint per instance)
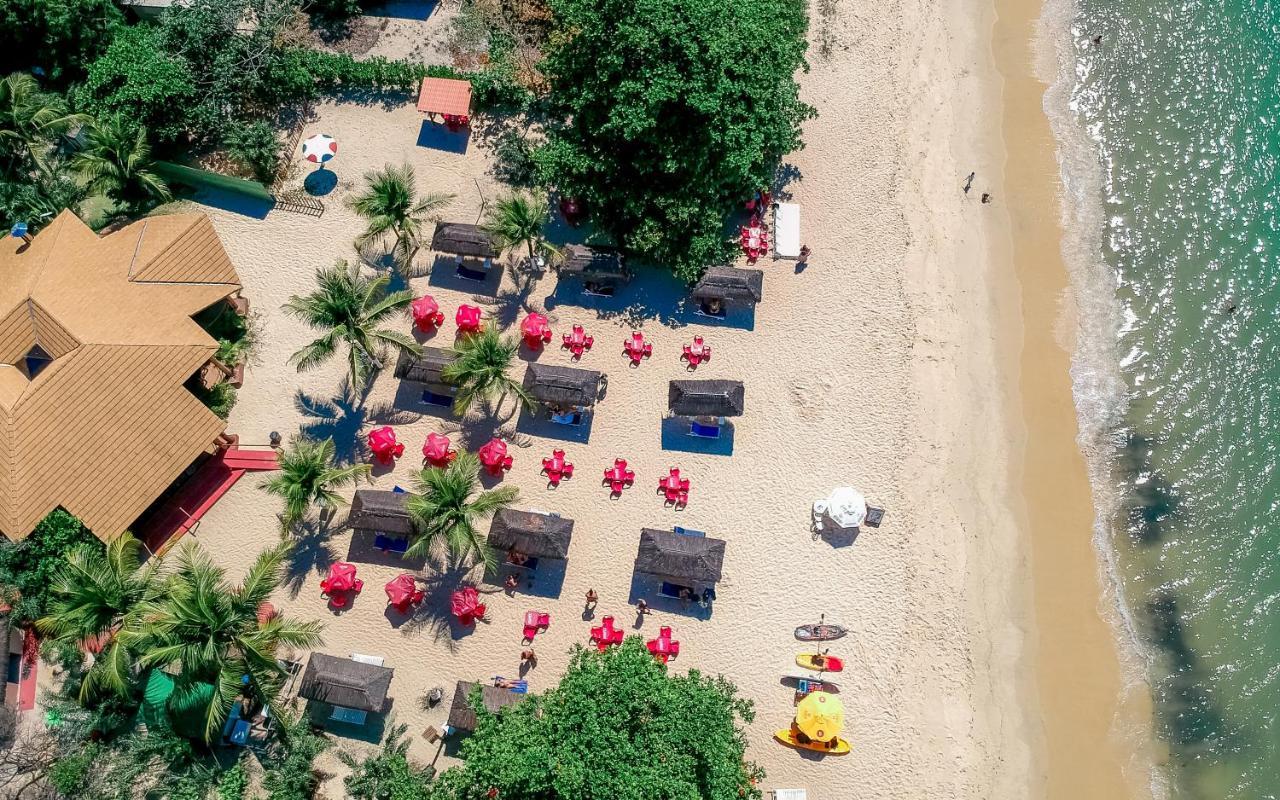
(891, 364)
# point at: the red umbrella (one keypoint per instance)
(536, 330)
(493, 454)
(436, 449)
(382, 441)
(468, 318)
(466, 606)
(426, 312)
(402, 591)
(342, 578)
(266, 613)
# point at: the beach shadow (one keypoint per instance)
(837, 537)
(320, 182)
(364, 550)
(311, 556)
(234, 202)
(414, 398)
(676, 437)
(434, 616)
(650, 588)
(444, 273)
(403, 9)
(320, 715)
(546, 581)
(435, 136)
(341, 418)
(540, 424)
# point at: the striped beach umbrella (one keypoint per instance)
(319, 148)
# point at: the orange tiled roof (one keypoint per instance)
(106, 425)
(445, 96)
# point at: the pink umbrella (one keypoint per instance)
(466, 606)
(536, 330)
(382, 441)
(436, 450)
(402, 591)
(426, 313)
(493, 454)
(468, 318)
(342, 578)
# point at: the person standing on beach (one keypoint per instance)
(968, 182)
(804, 254)
(642, 607)
(592, 598)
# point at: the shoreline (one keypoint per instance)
(1089, 708)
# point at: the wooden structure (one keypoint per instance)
(563, 387)
(462, 716)
(533, 534)
(463, 240)
(380, 511)
(679, 558)
(715, 398)
(721, 287)
(346, 683)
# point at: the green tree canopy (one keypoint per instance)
(308, 477)
(447, 510)
(662, 736)
(674, 112)
(137, 79)
(60, 36)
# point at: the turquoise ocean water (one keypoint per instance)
(1179, 107)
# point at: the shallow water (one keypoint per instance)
(1180, 102)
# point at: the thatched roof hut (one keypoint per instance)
(461, 715)
(347, 683)
(380, 511)
(706, 398)
(665, 554)
(603, 265)
(535, 535)
(425, 368)
(462, 239)
(562, 386)
(731, 285)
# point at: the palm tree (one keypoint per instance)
(479, 369)
(391, 204)
(92, 599)
(209, 631)
(117, 161)
(308, 477)
(31, 119)
(347, 307)
(445, 513)
(519, 219)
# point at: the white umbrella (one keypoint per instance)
(846, 507)
(319, 148)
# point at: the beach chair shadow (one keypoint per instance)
(444, 273)
(676, 437)
(435, 136)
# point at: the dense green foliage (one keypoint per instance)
(234, 783)
(289, 774)
(391, 205)
(59, 36)
(662, 735)
(257, 148)
(116, 162)
(387, 774)
(447, 511)
(481, 370)
(308, 477)
(28, 567)
(347, 308)
(138, 80)
(519, 220)
(671, 113)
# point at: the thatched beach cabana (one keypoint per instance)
(463, 718)
(600, 268)
(563, 387)
(463, 240)
(535, 535)
(716, 398)
(680, 558)
(380, 511)
(427, 370)
(721, 287)
(346, 683)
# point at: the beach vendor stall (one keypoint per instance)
(786, 230)
(446, 98)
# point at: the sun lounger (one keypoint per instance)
(432, 399)
(388, 544)
(786, 226)
(351, 716)
(704, 431)
(688, 532)
(874, 517)
(673, 590)
(467, 273)
(570, 418)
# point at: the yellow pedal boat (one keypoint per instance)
(837, 748)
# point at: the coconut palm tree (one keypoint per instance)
(308, 477)
(30, 119)
(117, 162)
(347, 307)
(447, 508)
(519, 219)
(479, 369)
(206, 632)
(92, 598)
(391, 205)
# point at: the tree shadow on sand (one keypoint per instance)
(433, 616)
(341, 419)
(312, 554)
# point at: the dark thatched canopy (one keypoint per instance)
(562, 386)
(595, 264)
(425, 368)
(461, 715)
(685, 558)
(380, 511)
(346, 683)
(462, 239)
(731, 284)
(706, 398)
(535, 535)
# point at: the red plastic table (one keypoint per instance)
(605, 634)
(618, 477)
(493, 455)
(663, 647)
(468, 318)
(636, 347)
(426, 313)
(697, 352)
(556, 468)
(578, 341)
(535, 330)
(382, 441)
(436, 450)
(674, 487)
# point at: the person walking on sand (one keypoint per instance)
(592, 598)
(968, 182)
(804, 254)
(528, 657)
(642, 607)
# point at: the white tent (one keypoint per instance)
(786, 230)
(846, 507)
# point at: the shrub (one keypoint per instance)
(60, 36)
(234, 783)
(139, 81)
(257, 148)
(513, 156)
(220, 399)
(28, 566)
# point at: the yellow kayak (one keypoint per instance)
(818, 662)
(837, 747)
